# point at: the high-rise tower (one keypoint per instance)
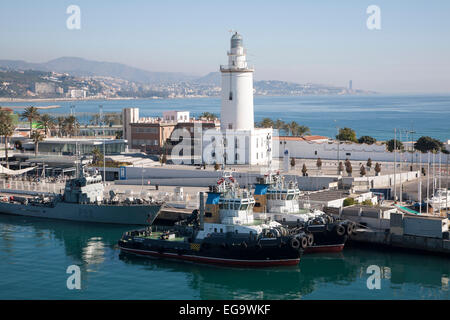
(237, 89)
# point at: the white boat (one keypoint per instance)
(440, 199)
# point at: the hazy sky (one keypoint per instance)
(303, 41)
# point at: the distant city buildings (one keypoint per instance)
(77, 94)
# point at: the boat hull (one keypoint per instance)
(128, 214)
(219, 249)
(325, 248)
(215, 260)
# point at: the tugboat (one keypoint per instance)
(83, 201)
(223, 232)
(278, 200)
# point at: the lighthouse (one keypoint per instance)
(237, 89)
(238, 141)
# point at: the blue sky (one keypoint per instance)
(302, 41)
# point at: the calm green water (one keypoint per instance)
(35, 253)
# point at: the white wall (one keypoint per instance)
(352, 151)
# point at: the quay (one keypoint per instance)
(376, 239)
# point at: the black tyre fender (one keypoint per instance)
(349, 228)
(340, 230)
(310, 237)
(295, 244)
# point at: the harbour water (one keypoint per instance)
(35, 254)
(373, 115)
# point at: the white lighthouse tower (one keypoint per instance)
(238, 141)
(237, 89)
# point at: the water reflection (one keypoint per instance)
(322, 276)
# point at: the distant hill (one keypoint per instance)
(83, 67)
(212, 78)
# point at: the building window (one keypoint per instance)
(231, 96)
(230, 126)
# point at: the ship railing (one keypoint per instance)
(30, 187)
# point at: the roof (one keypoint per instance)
(304, 138)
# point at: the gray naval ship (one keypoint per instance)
(83, 201)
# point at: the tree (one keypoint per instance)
(377, 168)
(278, 124)
(348, 202)
(369, 163)
(7, 127)
(362, 171)
(348, 168)
(266, 123)
(60, 124)
(71, 125)
(394, 143)
(36, 137)
(367, 140)
(319, 164)
(47, 122)
(30, 114)
(340, 167)
(291, 128)
(425, 144)
(303, 130)
(304, 170)
(164, 159)
(208, 116)
(97, 156)
(346, 134)
(293, 162)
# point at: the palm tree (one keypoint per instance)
(37, 137)
(266, 123)
(6, 130)
(279, 124)
(47, 122)
(291, 128)
(30, 114)
(303, 130)
(60, 124)
(71, 125)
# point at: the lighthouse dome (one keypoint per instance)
(236, 40)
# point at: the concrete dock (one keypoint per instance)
(375, 239)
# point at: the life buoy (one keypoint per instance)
(340, 230)
(295, 243)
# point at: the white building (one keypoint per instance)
(238, 141)
(77, 93)
(176, 116)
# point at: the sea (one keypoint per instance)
(374, 115)
(37, 256)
